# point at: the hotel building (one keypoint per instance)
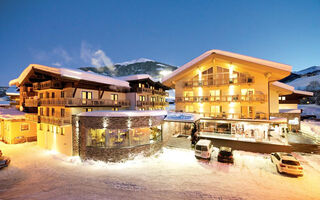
(50, 96)
(233, 93)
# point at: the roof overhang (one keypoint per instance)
(277, 70)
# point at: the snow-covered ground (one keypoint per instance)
(172, 174)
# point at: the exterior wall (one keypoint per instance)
(12, 134)
(274, 101)
(260, 86)
(81, 126)
(288, 106)
(51, 138)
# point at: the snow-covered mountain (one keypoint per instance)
(306, 79)
(138, 66)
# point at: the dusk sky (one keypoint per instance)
(88, 33)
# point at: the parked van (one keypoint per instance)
(203, 149)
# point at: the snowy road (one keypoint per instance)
(173, 174)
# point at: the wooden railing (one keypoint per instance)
(33, 117)
(153, 91)
(55, 120)
(74, 102)
(47, 85)
(151, 103)
(227, 98)
(219, 81)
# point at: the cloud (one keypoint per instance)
(97, 58)
(57, 64)
(62, 53)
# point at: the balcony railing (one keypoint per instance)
(151, 103)
(55, 120)
(47, 85)
(223, 115)
(33, 117)
(219, 81)
(153, 91)
(227, 98)
(75, 102)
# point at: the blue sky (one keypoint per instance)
(91, 33)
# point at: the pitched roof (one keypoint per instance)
(291, 89)
(205, 55)
(70, 73)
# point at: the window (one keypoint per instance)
(86, 95)
(142, 98)
(47, 95)
(24, 127)
(41, 111)
(283, 98)
(215, 94)
(114, 97)
(115, 109)
(62, 94)
(62, 131)
(189, 108)
(52, 112)
(88, 109)
(216, 109)
(48, 128)
(48, 110)
(52, 95)
(140, 85)
(63, 112)
(41, 95)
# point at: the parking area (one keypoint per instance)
(174, 173)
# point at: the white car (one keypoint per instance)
(203, 149)
(287, 163)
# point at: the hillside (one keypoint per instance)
(305, 79)
(139, 66)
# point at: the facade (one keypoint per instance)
(114, 136)
(233, 93)
(15, 128)
(14, 96)
(50, 96)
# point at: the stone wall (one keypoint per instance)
(289, 116)
(81, 125)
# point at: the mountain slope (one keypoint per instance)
(304, 79)
(139, 66)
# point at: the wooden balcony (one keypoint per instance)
(219, 82)
(47, 85)
(152, 91)
(151, 103)
(73, 102)
(33, 117)
(227, 98)
(55, 120)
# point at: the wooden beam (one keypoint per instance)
(75, 89)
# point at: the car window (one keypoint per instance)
(290, 162)
(277, 156)
(225, 153)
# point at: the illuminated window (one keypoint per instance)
(62, 131)
(115, 109)
(142, 98)
(114, 97)
(24, 127)
(140, 85)
(283, 98)
(88, 109)
(86, 95)
(216, 109)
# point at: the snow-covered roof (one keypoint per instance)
(135, 77)
(271, 64)
(289, 110)
(303, 92)
(4, 103)
(123, 113)
(283, 86)
(182, 117)
(11, 113)
(12, 91)
(70, 73)
(291, 88)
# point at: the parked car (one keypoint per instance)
(225, 155)
(287, 163)
(4, 161)
(203, 149)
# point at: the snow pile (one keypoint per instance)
(308, 70)
(311, 128)
(140, 60)
(303, 82)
